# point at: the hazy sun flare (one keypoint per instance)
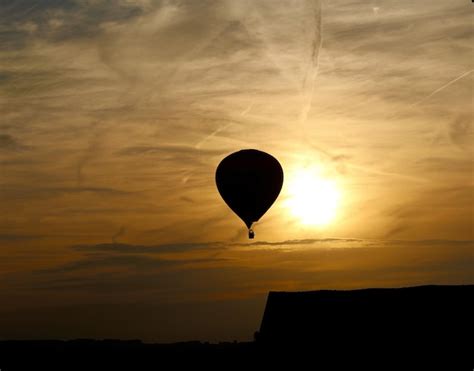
(312, 198)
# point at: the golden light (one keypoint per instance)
(312, 199)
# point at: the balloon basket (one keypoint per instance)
(251, 234)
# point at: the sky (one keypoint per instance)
(114, 115)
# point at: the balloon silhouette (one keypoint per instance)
(249, 181)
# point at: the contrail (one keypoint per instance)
(436, 91)
(312, 70)
(223, 127)
(259, 32)
(441, 88)
(217, 131)
(245, 111)
(370, 170)
(397, 175)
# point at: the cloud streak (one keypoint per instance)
(154, 249)
(444, 86)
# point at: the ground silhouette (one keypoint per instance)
(429, 325)
(426, 327)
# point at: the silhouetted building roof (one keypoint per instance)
(419, 322)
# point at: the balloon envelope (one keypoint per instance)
(249, 181)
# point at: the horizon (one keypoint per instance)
(115, 115)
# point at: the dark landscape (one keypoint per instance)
(424, 326)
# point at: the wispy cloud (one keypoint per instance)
(136, 262)
(154, 249)
(21, 192)
(308, 241)
(8, 237)
(8, 143)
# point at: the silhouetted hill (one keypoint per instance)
(427, 327)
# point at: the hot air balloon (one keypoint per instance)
(249, 181)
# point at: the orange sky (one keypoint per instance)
(115, 114)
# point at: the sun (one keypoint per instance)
(312, 199)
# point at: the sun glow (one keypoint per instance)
(312, 199)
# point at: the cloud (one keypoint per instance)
(135, 262)
(444, 165)
(21, 192)
(10, 237)
(355, 243)
(153, 249)
(309, 241)
(170, 152)
(336, 243)
(461, 131)
(89, 154)
(8, 143)
(61, 21)
(248, 272)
